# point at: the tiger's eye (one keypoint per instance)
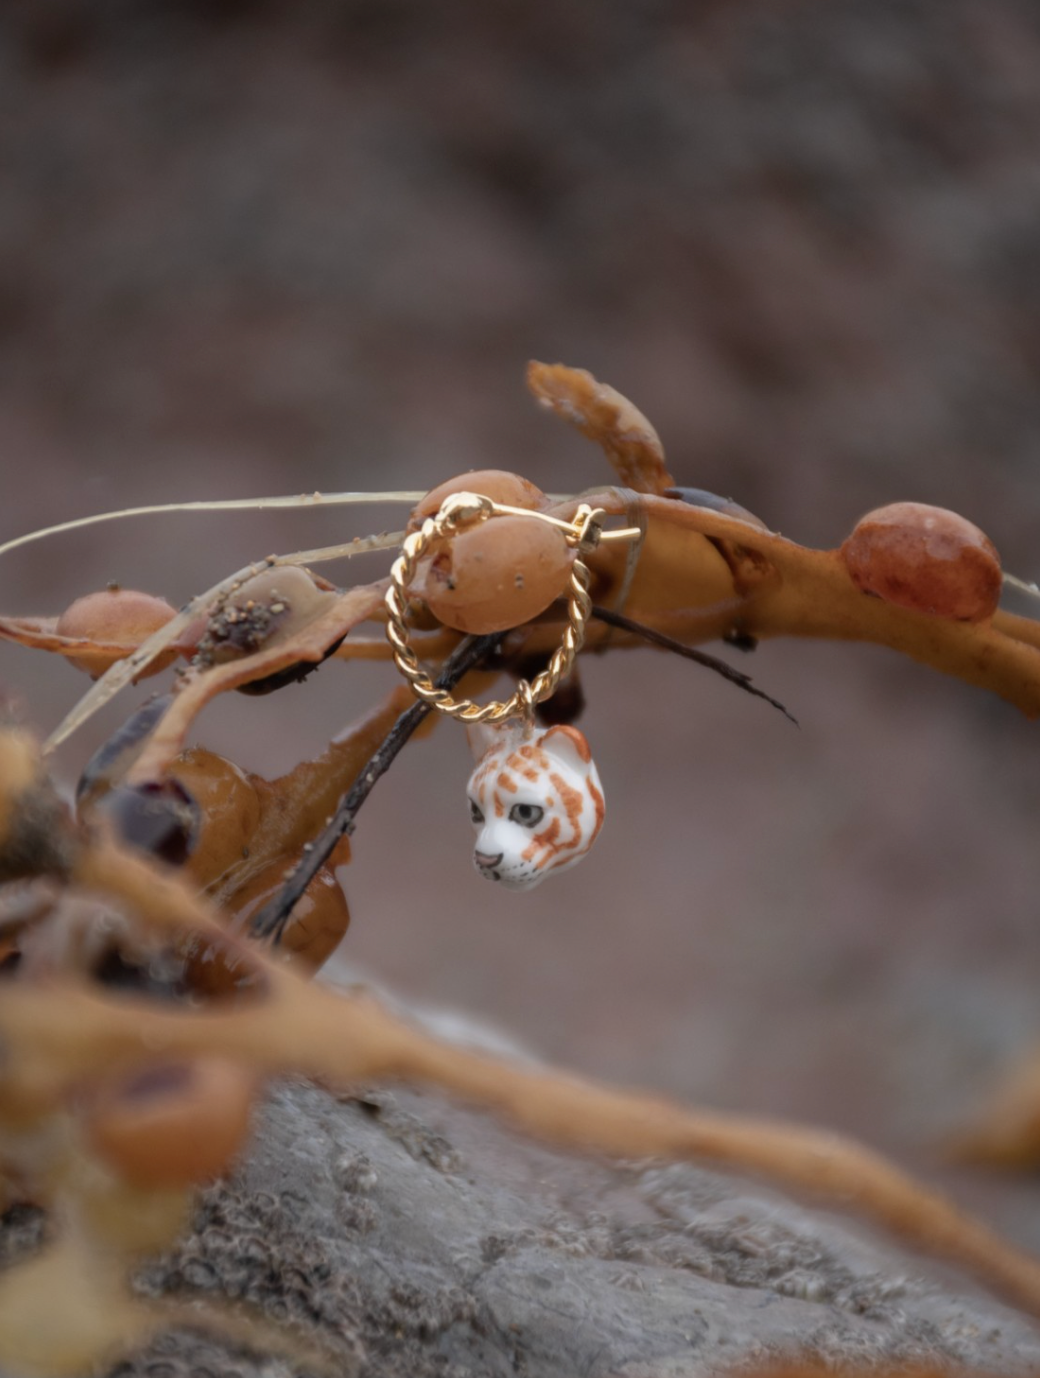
(496, 575)
(497, 484)
(172, 1124)
(926, 559)
(123, 617)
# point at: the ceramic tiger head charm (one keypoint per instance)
(535, 800)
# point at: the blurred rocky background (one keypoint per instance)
(251, 248)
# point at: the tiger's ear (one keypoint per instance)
(569, 746)
(482, 738)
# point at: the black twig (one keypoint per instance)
(669, 643)
(271, 920)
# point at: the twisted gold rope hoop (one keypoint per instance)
(457, 512)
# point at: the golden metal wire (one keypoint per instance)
(457, 512)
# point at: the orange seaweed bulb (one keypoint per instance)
(230, 811)
(272, 605)
(319, 918)
(926, 559)
(172, 1124)
(511, 490)
(496, 575)
(123, 616)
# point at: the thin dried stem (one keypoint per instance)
(220, 505)
(668, 643)
(1022, 585)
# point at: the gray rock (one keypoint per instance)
(422, 1239)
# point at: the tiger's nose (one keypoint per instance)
(487, 862)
